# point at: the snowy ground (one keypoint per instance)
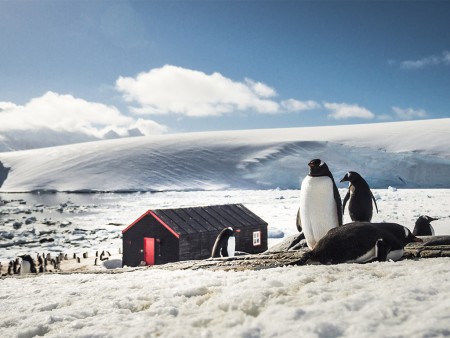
(403, 299)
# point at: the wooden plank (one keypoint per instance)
(172, 219)
(208, 218)
(190, 218)
(200, 219)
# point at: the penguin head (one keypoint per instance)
(425, 220)
(409, 237)
(230, 231)
(351, 177)
(318, 168)
(27, 258)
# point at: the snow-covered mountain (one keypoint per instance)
(404, 154)
(14, 140)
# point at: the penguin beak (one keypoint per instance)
(237, 230)
(345, 178)
(417, 239)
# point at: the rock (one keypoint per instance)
(30, 220)
(287, 244)
(17, 225)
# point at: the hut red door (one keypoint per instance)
(149, 251)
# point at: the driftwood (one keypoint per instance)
(431, 247)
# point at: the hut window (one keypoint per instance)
(256, 238)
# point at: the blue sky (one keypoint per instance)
(181, 66)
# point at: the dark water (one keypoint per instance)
(54, 199)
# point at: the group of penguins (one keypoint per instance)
(25, 264)
(319, 220)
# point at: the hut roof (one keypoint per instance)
(204, 219)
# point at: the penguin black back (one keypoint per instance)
(360, 242)
(360, 198)
(423, 226)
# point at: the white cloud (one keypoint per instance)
(295, 105)
(408, 113)
(432, 60)
(65, 113)
(176, 90)
(341, 111)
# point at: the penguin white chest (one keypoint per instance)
(318, 210)
(25, 267)
(231, 246)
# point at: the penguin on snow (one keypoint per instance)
(225, 244)
(423, 226)
(320, 204)
(27, 265)
(361, 242)
(360, 198)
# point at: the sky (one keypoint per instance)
(183, 66)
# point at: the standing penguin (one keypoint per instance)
(27, 265)
(360, 198)
(225, 244)
(423, 226)
(320, 203)
(361, 242)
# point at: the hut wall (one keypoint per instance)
(166, 246)
(244, 239)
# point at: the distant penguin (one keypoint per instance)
(225, 244)
(27, 265)
(360, 198)
(361, 242)
(320, 204)
(423, 226)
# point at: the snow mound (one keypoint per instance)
(400, 154)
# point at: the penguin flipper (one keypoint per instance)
(337, 199)
(347, 196)
(374, 201)
(299, 221)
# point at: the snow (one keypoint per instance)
(406, 298)
(374, 300)
(260, 169)
(412, 154)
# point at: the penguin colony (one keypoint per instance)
(319, 218)
(26, 264)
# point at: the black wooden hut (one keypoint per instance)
(169, 235)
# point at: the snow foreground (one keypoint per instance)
(402, 299)
(402, 154)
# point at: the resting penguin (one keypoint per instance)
(27, 265)
(423, 226)
(225, 244)
(320, 203)
(360, 198)
(361, 242)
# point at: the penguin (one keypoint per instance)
(360, 198)
(225, 244)
(320, 204)
(423, 226)
(27, 265)
(361, 242)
